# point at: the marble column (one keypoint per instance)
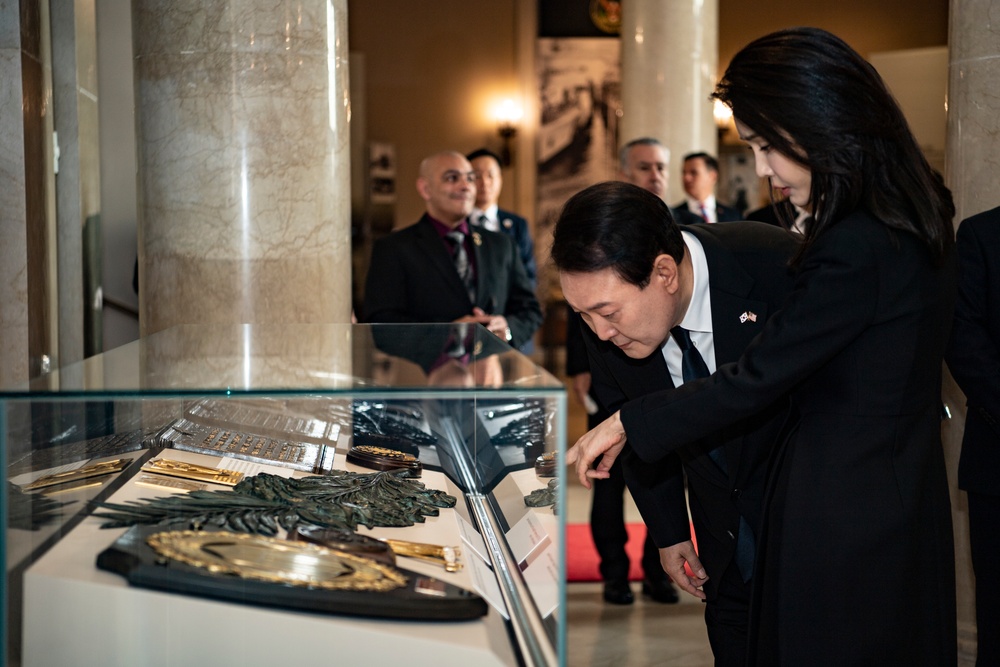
(28, 301)
(242, 114)
(77, 185)
(13, 199)
(670, 53)
(972, 172)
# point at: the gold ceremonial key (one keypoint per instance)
(193, 471)
(93, 470)
(446, 557)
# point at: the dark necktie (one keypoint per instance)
(692, 365)
(461, 260)
(692, 368)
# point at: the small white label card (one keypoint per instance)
(486, 585)
(542, 577)
(473, 539)
(527, 539)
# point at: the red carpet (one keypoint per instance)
(581, 556)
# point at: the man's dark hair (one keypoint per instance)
(483, 152)
(615, 225)
(710, 162)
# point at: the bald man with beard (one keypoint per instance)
(413, 276)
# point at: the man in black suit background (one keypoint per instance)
(487, 212)
(974, 360)
(637, 278)
(700, 173)
(413, 277)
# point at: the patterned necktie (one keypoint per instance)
(461, 260)
(693, 366)
(704, 211)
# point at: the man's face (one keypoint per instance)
(489, 181)
(699, 180)
(448, 186)
(647, 168)
(637, 320)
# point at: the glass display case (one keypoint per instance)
(264, 494)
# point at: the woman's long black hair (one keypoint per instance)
(812, 98)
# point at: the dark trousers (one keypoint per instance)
(727, 617)
(607, 527)
(984, 539)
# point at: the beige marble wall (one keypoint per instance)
(242, 116)
(14, 248)
(972, 171)
(973, 161)
(670, 53)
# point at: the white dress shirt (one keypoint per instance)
(697, 319)
(492, 221)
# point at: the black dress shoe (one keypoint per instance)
(660, 590)
(618, 592)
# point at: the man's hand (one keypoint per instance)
(673, 559)
(607, 441)
(496, 324)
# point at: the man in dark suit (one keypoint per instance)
(642, 162)
(974, 360)
(487, 212)
(720, 284)
(700, 174)
(413, 274)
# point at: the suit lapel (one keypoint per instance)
(736, 318)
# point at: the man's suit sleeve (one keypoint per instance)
(973, 355)
(658, 488)
(385, 297)
(523, 312)
(525, 245)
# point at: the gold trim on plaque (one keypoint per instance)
(446, 557)
(193, 471)
(276, 561)
(93, 470)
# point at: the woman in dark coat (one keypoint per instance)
(856, 563)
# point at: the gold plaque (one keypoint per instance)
(193, 471)
(92, 470)
(277, 561)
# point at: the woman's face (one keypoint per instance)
(787, 176)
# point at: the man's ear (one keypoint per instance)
(422, 188)
(665, 271)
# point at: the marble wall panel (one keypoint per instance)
(13, 250)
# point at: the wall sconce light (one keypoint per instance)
(723, 118)
(507, 116)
